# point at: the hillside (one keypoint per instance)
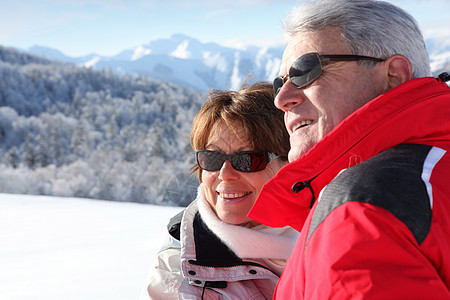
(74, 131)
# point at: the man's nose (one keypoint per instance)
(288, 96)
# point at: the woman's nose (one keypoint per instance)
(227, 172)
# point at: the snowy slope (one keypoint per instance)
(70, 248)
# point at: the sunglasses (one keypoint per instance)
(245, 161)
(308, 68)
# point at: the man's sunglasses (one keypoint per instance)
(308, 68)
(245, 161)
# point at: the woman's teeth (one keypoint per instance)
(232, 195)
(301, 124)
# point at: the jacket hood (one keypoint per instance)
(375, 127)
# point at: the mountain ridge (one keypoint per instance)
(183, 60)
(186, 61)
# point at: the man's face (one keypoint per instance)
(343, 87)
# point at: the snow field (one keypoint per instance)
(71, 248)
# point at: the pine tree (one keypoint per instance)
(12, 157)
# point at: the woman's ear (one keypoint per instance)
(399, 70)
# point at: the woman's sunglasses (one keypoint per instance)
(308, 68)
(245, 161)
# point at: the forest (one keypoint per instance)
(77, 132)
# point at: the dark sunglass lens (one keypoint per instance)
(251, 161)
(210, 160)
(246, 161)
(305, 70)
(278, 84)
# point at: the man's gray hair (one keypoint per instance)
(372, 28)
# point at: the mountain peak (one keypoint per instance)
(182, 50)
(140, 52)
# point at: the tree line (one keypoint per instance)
(78, 132)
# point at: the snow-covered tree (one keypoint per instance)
(72, 131)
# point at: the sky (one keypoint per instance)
(106, 27)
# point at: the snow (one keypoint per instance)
(439, 60)
(202, 66)
(72, 248)
(181, 51)
(92, 62)
(140, 52)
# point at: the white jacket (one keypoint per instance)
(216, 260)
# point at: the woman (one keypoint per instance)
(214, 250)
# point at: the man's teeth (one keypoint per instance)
(233, 195)
(301, 124)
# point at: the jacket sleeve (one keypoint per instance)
(165, 276)
(362, 251)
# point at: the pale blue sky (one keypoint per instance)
(79, 27)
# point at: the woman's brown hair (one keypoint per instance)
(251, 108)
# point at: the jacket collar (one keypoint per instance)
(414, 112)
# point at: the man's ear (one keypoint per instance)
(399, 70)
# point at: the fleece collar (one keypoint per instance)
(259, 242)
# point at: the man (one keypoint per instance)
(368, 184)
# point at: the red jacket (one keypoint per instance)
(380, 227)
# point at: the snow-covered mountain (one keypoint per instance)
(186, 61)
(439, 51)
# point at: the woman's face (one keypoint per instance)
(231, 193)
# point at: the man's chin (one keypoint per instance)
(294, 154)
(300, 145)
(297, 152)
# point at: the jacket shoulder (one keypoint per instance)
(391, 180)
(174, 225)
